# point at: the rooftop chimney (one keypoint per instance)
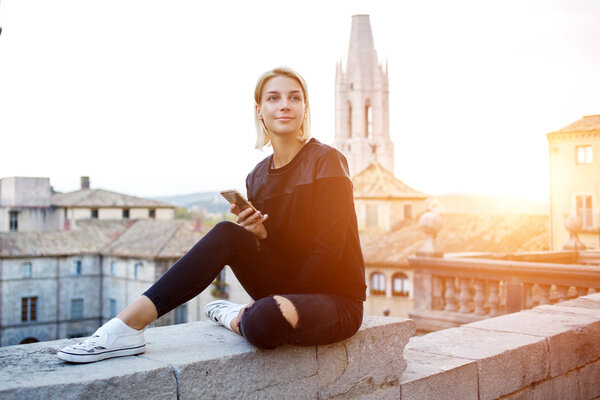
(198, 224)
(85, 182)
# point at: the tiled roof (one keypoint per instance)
(90, 238)
(138, 238)
(103, 198)
(180, 242)
(588, 123)
(155, 238)
(377, 182)
(459, 233)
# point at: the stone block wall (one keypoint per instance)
(204, 361)
(549, 352)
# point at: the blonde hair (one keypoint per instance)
(262, 135)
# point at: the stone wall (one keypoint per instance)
(204, 361)
(549, 352)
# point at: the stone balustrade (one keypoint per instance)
(454, 289)
(450, 291)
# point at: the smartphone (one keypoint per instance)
(233, 196)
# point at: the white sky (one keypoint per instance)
(154, 97)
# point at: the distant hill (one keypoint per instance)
(451, 203)
(212, 201)
(461, 203)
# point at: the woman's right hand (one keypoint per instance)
(251, 220)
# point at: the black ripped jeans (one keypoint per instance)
(322, 318)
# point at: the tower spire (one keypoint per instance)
(361, 102)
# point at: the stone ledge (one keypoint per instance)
(543, 353)
(202, 360)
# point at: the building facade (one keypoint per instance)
(575, 181)
(29, 205)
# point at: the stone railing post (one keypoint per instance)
(574, 224)
(431, 223)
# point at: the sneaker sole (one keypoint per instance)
(87, 358)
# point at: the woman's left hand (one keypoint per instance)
(251, 220)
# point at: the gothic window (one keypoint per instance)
(126, 213)
(28, 309)
(152, 213)
(94, 213)
(349, 119)
(368, 120)
(583, 206)
(401, 285)
(377, 283)
(584, 154)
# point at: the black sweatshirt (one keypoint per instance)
(312, 222)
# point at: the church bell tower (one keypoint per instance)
(361, 103)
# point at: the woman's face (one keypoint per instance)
(282, 106)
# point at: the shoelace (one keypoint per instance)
(89, 344)
(217, 310)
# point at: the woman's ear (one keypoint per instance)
(258, 111)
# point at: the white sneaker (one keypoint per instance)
(222, 312)
(113, 339)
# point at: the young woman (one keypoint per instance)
(299, 257)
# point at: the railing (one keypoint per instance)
(455, 289)
(452, 291)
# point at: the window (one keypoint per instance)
(126, 213)
(77, 267)
(113, 267)
(94, 213)
(152, 213)
(28, 309)
(26, 269)
(368, 120)
(372, 215)
(76, 308)
(349, 119)
(14, 221)
(408, 211)
(401, 285)
(113, 308)
(377, 283)
(181, 314)
(219, 289)
(584, 154)
(137, 270)
(583, 205)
